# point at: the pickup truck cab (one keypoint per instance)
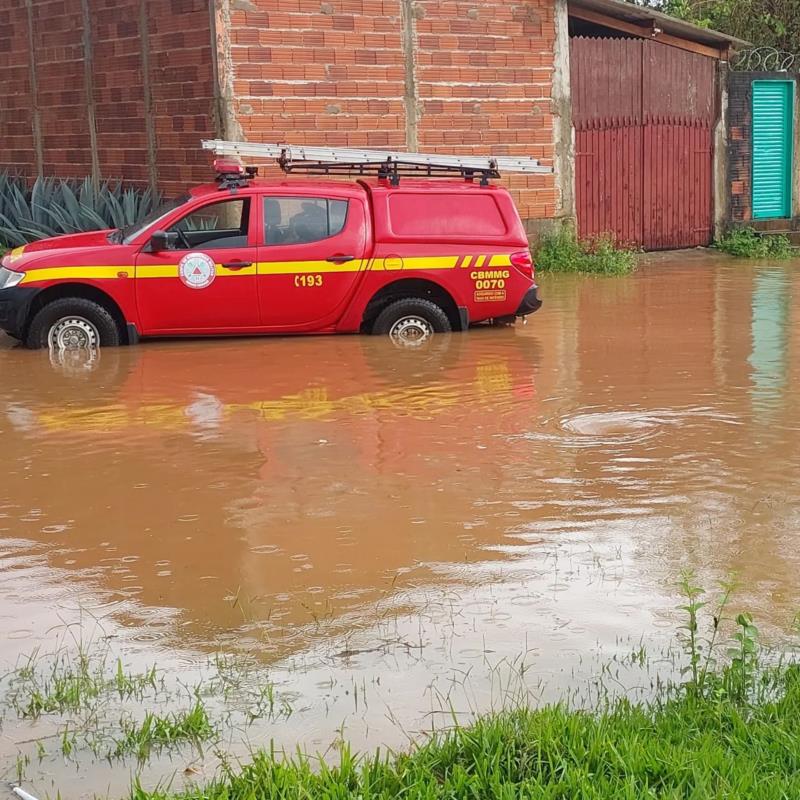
(253, 256)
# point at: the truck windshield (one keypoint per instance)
(127, 234)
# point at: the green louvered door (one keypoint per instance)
(773, 118)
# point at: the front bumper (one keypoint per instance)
(530, 302)
(14, 305)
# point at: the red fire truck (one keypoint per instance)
(420, 245)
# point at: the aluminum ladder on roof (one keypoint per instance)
(387, 163)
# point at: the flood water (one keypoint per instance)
(389, 535)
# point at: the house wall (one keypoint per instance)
(740, 146)
(433, 75)
(127, 88)
(109, 88)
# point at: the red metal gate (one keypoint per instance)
(643, 114)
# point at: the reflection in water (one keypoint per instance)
(345, 512)
(770, 336)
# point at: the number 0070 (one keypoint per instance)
(308, 280)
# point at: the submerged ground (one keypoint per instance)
(325, 540)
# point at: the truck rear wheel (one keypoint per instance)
(412, 321)
(73, 323)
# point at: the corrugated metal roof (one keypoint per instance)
(620, 9)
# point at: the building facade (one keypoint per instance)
(764, 144)
(598, 89)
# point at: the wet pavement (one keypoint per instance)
(390, 535)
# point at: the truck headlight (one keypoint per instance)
(9, 278)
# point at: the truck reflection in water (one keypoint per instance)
(300, 476)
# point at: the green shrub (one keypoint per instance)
(748, 243)
(52, 206)
(562, 251)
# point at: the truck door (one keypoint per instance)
(311, 259)
(206, 281)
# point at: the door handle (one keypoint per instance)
(236, 264)
(340, 259)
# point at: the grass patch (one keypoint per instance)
(562, 251)
(745, 242)
(156, 732)
(729, 729)
(686, 747)
(68, 683)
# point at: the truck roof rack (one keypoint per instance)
(385, 164)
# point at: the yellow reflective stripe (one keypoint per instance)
(171, 271)
(71, 273)
(262, 268)
(293, 267)
(417, 262)
(157, 271)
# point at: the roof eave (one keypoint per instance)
(629, 12)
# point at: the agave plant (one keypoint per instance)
(53, 206)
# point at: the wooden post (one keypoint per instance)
(88, 85)
(149, 121)
(36, 114)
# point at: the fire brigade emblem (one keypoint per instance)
(197, 270)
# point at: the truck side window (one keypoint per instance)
(216, 225)
(300, 220)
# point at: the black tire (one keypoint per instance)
(419, 313)
(105, 325)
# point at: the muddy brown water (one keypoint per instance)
(389, 535)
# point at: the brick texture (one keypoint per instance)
(16, 116)
(335, 73)
(465, 77)
(180, 79)
(484, 72)
(740, 145)
(327, 73)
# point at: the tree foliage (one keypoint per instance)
(765, 23)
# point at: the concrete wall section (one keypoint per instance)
(563, 130)
(721, 176)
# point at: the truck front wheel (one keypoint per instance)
(411, 322)
(72, 323)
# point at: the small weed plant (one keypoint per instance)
(745, 242)
(562, 251)
(158, 732)
(65, 682)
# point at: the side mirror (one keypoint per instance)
(163, 240)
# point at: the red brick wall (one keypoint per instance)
(334, 72)
(312, 72)
(118, 89)
(16, 117)
(181, 84)
(484, 73)
(183, 87)
(304, 71)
